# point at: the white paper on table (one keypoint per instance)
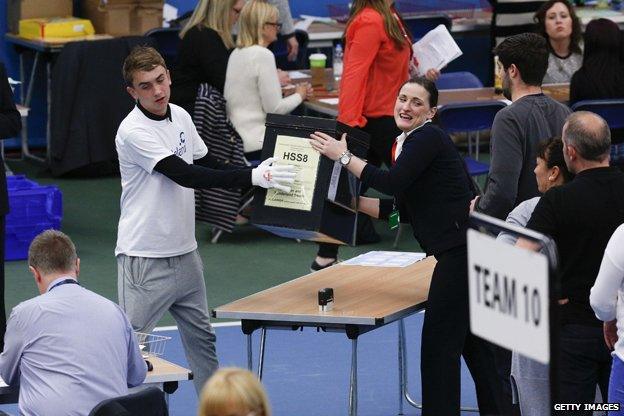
(435, 50)
(385, 259)
(2, 383)
(169, 13)
(297, 75)
(317, 18)
(304, 24)
(330, 101)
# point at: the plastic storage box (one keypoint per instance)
(33, 209)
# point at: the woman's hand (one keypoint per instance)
(432, 74)
(284, 78)
(327, 145)
(305, 90)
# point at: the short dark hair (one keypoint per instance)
(551, 151)
(52, 251)
(141, 58)
(540, 19)
(428, 85)
(528, 52)
(589, 134)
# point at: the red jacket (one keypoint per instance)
(374, 70)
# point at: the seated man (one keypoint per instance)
(69, 348)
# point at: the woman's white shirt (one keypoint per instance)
(252, 90)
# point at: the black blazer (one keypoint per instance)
(431, 187)
(202, 58)
(10, 126)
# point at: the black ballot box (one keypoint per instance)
(322, 204)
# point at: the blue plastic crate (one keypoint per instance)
(32, 209)
(18, 238)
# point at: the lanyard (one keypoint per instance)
(64, 282)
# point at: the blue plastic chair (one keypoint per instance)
(167, 40)
(611, 110)
(470, 117)
(457, 80)
(419, 26)
(613, 113)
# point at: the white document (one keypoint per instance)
(304, 24)
(169, 13)
(385, 259)
(330, 101)
(435, 50)
(298, 75)
(317, 18)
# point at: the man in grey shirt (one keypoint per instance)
(517, 129)
(69, 348)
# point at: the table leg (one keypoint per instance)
(402, 372)
(353, 383)
(403, 368)
(49, 109)
(261, 357)
(26, 103)
(249, 353)
(31, 81)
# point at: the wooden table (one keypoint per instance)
(559, 92)
(366, 298)
(165, 375)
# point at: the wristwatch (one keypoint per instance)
(345, 158)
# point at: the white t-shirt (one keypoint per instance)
(252, 90)
(607, 295)
(157, 215)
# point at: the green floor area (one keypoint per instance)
(241, 263)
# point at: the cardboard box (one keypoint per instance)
(322, 204)
(29, 9)
(55, 27)
(123, 17)
(147, 16)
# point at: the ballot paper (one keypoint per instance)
(304, 24)
(330, 101)
(435, 50)
(385, 259)
(298, 75)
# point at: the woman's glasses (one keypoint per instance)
(278, 26)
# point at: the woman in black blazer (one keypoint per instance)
(432, 191)
(10, 126)
(204, 50)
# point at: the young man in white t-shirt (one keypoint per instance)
(161, 160)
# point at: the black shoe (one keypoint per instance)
(315, 267)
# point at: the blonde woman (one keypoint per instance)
(233, 392)
(252, 88)
(204, 50)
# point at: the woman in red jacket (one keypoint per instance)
(378, 50)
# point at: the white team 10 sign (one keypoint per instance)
(508, 289)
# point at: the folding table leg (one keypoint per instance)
(249, 353)
(261, 359)
(353, 383)
(403, 374)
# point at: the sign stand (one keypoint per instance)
(514, 292)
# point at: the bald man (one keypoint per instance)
(581, 216)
